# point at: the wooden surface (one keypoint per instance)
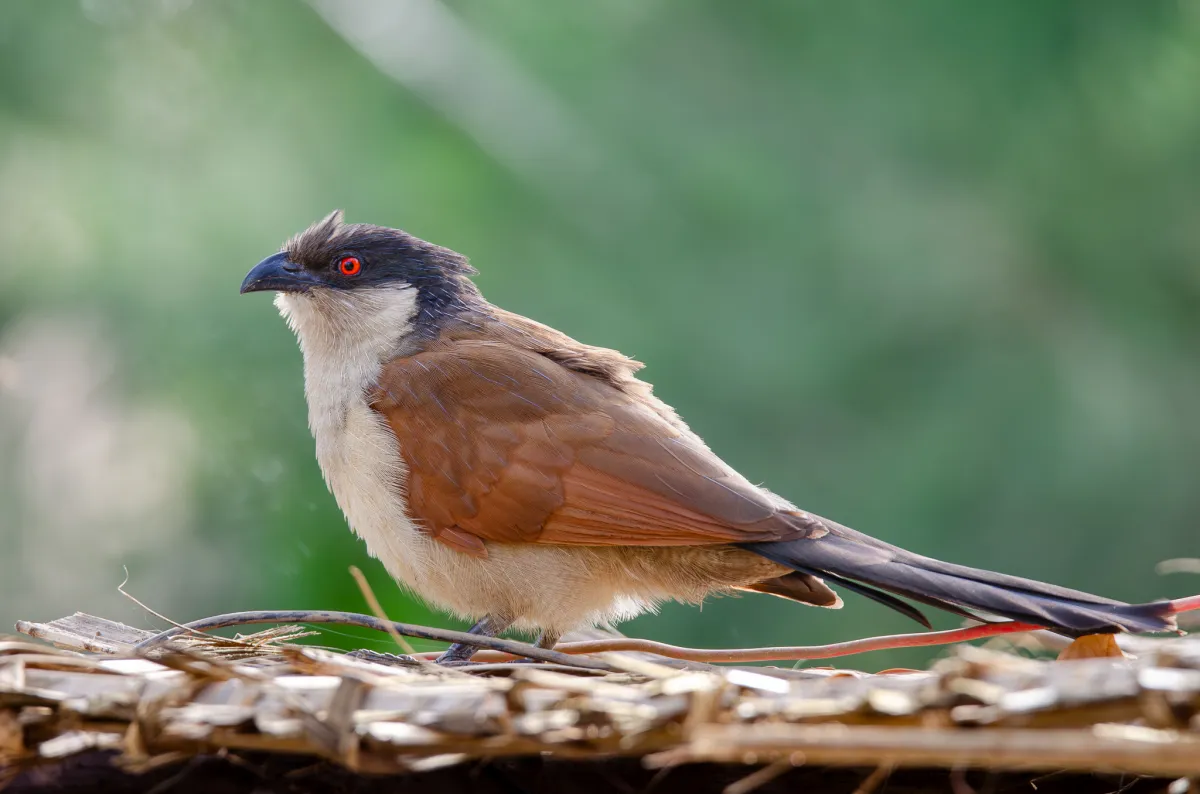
(206, 706)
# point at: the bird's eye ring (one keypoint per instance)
(349, 265)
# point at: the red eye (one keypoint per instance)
(349, 265)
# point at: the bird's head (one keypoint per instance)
(345, 274)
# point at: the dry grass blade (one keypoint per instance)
(217, 641)
(759, 777)
(874, 780)
(1178, 565)
(369, 596)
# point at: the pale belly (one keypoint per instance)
(556, 588)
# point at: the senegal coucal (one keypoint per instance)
(511, 475)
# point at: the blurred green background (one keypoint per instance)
(929, 268)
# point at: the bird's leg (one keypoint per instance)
(489, 626)
(548, 639)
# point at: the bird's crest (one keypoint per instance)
(326, 238)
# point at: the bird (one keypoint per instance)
(512, 476)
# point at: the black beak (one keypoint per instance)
(280, 274)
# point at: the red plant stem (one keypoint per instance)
(786, 653)
(1185, 604)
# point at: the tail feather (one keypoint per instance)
(890, 601)
(861, 563)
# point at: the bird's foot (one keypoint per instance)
(459, 652)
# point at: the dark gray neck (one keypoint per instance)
(446, 300)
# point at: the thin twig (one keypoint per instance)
(521, 649)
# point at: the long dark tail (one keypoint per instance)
(861, 563)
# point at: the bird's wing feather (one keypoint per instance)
(503, 444)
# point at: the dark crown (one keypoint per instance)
(386, 254)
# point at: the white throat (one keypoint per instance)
(345, 336)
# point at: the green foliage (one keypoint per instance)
(929, 268)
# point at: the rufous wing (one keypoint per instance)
(505, 445)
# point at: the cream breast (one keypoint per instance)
(345, 337)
